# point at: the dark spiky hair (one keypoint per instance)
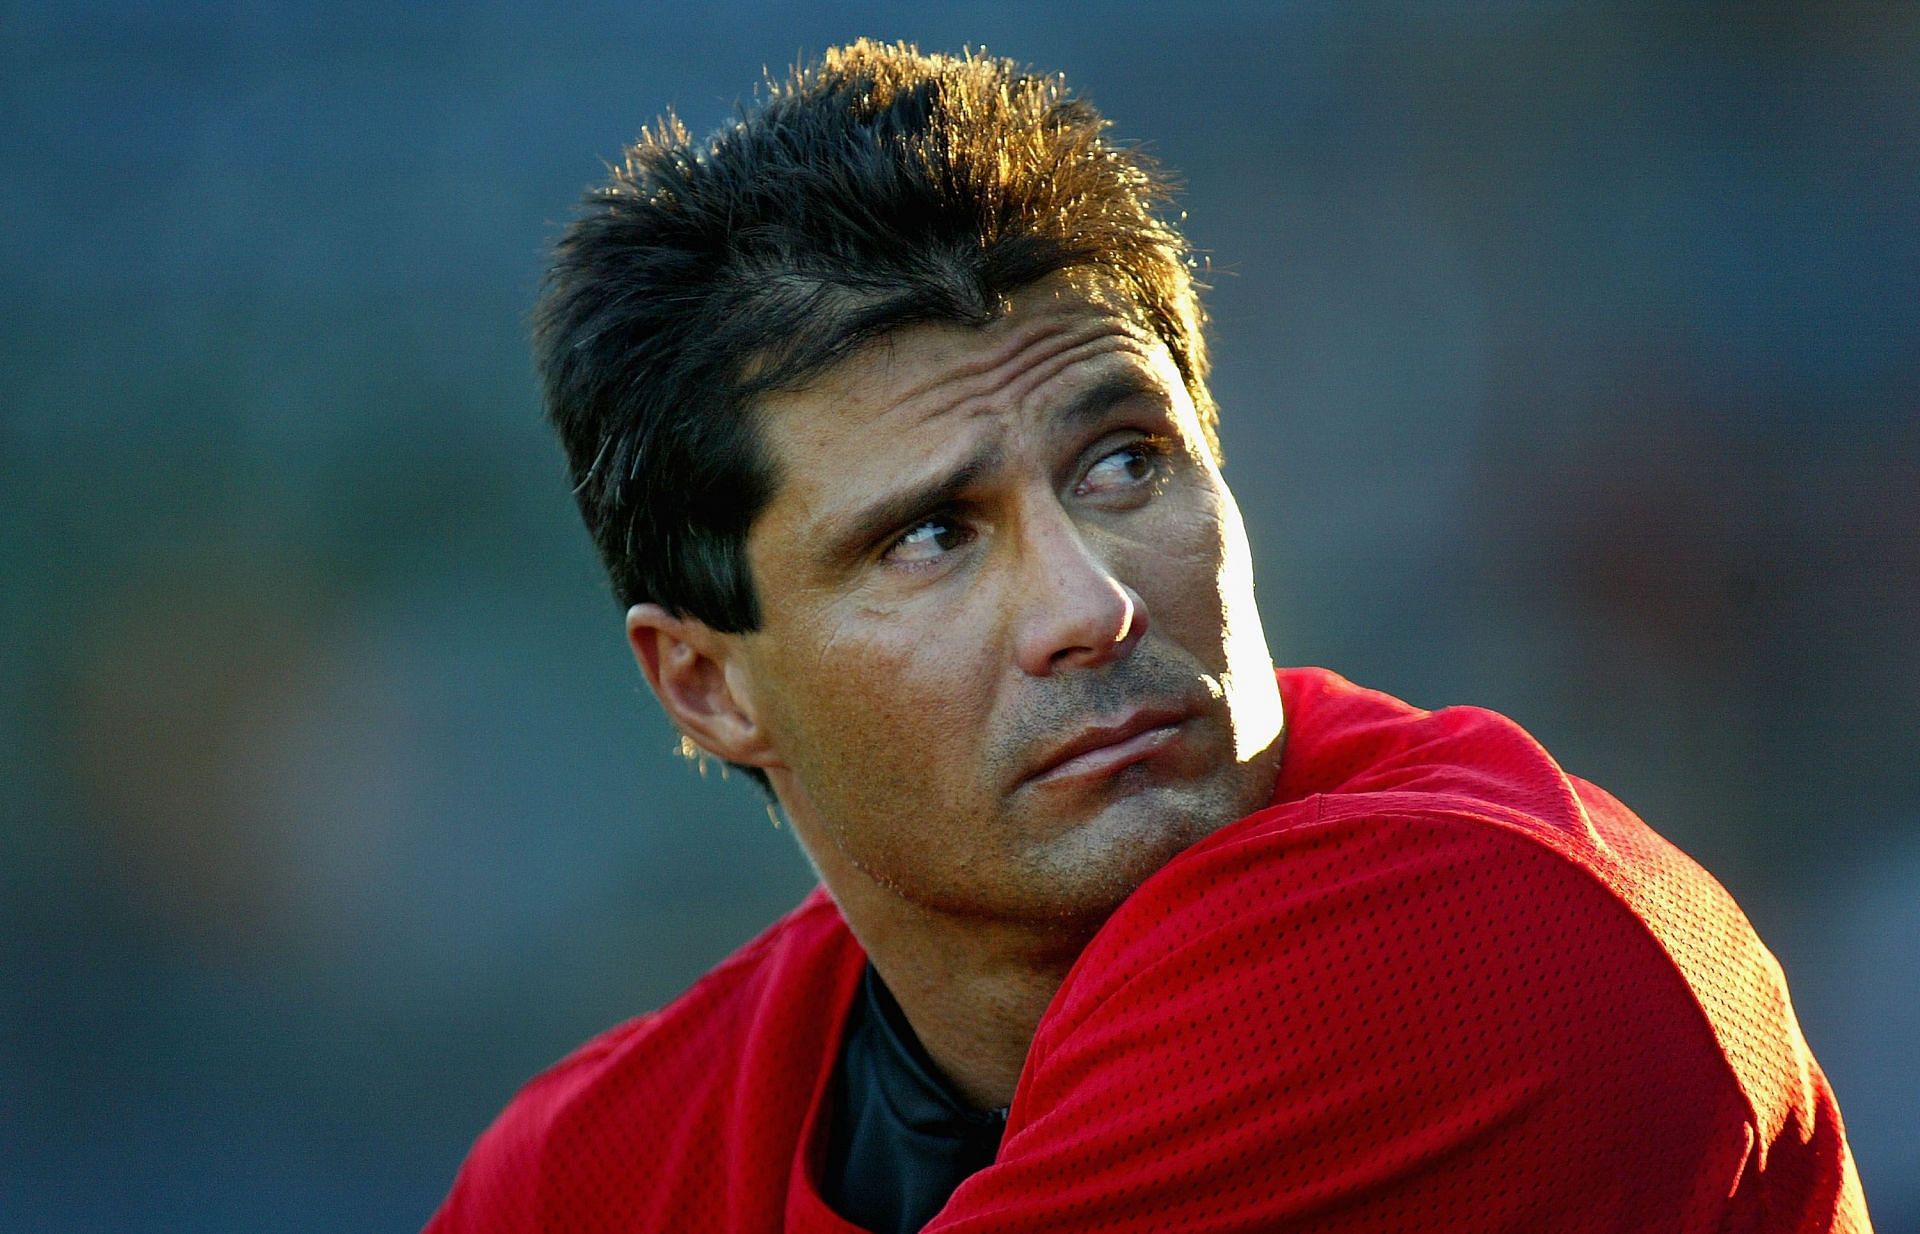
(874, 189)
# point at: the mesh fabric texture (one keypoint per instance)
(1438, 985)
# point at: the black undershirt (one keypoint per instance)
(902, 1139)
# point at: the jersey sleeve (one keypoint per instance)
(499, 1187)
(1381, 1022)
(493, 1192)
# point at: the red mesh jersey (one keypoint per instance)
(1438, 985)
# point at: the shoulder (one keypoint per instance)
(1359, 937)
(1448, 978)
(593, 1132)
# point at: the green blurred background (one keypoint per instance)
(1569, 363)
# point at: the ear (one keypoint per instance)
(697, 674)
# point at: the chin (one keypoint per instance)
(1087, 869)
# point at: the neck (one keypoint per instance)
(974, 990)
(975, 1011)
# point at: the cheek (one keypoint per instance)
(890, 744)
(1183, 576)
(883, 708)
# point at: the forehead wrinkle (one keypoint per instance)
(1106, 379)
(1003, 379)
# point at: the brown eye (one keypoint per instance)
(1133, 464)
(926, 541)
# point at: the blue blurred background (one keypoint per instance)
(1570, 364)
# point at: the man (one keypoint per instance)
(887, 409)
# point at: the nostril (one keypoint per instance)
(1074, 610)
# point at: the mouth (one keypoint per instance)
(1103, 748)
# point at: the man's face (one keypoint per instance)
(1009, 662)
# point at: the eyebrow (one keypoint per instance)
(1111, 388)
(856, 532)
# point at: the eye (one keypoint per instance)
(1137, 463)
(927, 540)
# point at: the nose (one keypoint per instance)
(1075, 612)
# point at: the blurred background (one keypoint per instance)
(1570, 363)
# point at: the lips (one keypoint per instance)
(1105, 747)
